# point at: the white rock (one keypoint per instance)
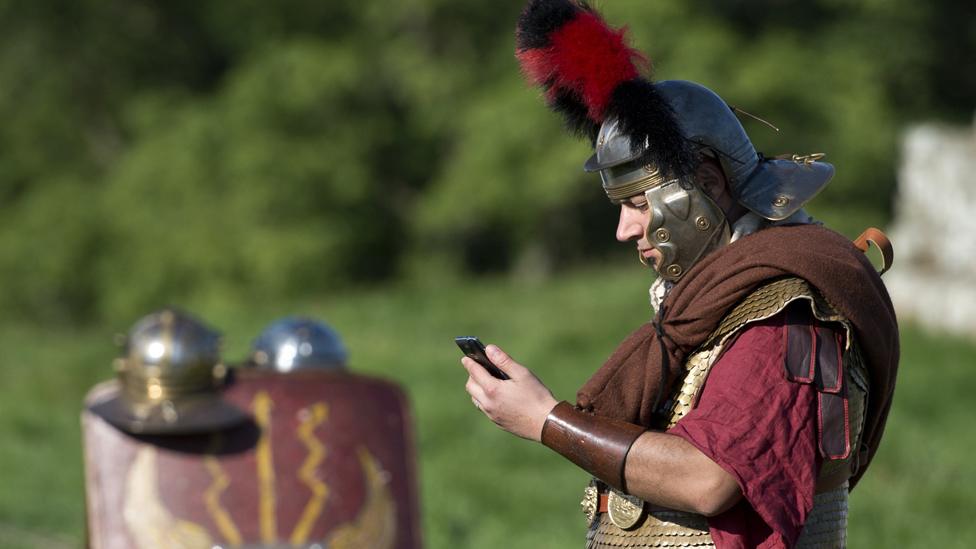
(933, 280)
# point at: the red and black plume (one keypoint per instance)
(590, 74)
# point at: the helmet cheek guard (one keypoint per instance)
(685, 225)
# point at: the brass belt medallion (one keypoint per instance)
(625, 511)
(591, 498)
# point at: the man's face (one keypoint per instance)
(635, 215)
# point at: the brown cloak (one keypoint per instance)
(628, 384)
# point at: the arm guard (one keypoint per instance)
(596, 444)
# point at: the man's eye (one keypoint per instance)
(641, 207)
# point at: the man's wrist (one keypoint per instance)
(546, 420)
(596, 444)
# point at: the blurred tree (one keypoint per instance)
(158, 151)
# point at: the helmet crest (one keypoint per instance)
(590, 74)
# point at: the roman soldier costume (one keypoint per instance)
(774, 346)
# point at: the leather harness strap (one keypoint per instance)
(603, 503)
(874, 236)
(828, 484)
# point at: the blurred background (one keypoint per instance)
(382, 166)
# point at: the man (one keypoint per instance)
(738, 417)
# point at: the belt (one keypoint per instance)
(603, 499)
(603, 496)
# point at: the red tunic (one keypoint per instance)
(762, 429)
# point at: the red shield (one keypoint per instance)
(328, 460)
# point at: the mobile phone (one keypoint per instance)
(475, 350)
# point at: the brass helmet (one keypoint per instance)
(297, 343)
(169, 379)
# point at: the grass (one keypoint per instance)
(479, 486)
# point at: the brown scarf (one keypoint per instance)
(628, 385)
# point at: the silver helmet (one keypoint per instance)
(772, 188)
(297, 343)
(686, 224)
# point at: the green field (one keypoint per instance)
(480, 487)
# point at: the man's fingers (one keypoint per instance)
(478, 372)
(475, 390)
(477, 379)
(504, 362)
(478, 395)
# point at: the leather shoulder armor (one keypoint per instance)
(847, 401)
(767, 301)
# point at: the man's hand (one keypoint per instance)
(519, 405)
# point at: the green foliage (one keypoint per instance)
(268, 187)
(154, 153)
(46, 248)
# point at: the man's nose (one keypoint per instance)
(628, 227)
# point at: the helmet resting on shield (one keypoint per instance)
(169, 379)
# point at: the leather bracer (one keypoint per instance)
(596, 444)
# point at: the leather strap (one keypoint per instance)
(823, 486)
(596, 444)
(874, 236)
(603, 503)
